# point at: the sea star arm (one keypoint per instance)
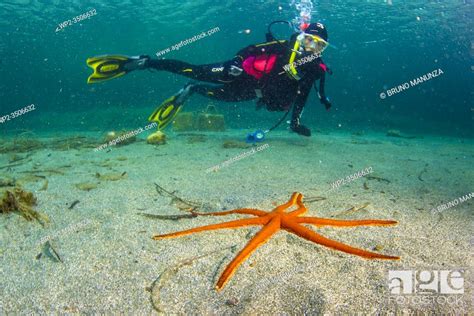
(231, 224)
(292, 201)
(343, 223)
(247, 211)
(259, 239)
(301, 207)
(310, 235)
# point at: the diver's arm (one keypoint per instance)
(321, 92)
(234, 66)
(263, 48)
(242, 55)
(303, 93)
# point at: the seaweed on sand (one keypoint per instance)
(423, 171)
(21, 145)
(75, 142)
(397, 133)
(7, 182)
(86, 186)
(180, 203)
(50, 252)
(314, 199)
(235, 144)
(379, 179)
(15, 158)
(45, 185)
(160, 282)
(26, 143)
(168, 217)
(198, 138)
(111, 176)
(20, 201)
(352, 210)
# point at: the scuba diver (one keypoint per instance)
(278, 73)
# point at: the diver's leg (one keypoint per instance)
(233, 92)
(215, 73)
(113, 66)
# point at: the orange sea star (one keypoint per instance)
(291, 221)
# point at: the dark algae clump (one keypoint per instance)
(20, 201)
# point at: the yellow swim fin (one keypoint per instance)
(166, 112)
(107, 67)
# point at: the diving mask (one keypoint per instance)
(313, 43)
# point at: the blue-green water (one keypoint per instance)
(378, 47)
(106, 200)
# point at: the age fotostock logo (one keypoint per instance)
(406, 282)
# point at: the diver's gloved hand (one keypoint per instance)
(137, 62)
(326, 102)
(301, 129)
(235, 71)
(235, 67)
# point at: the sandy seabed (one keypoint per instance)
(110, 263)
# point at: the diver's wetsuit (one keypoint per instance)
(277, 90)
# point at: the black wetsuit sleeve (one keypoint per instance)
(322, 81)
(303, 93)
